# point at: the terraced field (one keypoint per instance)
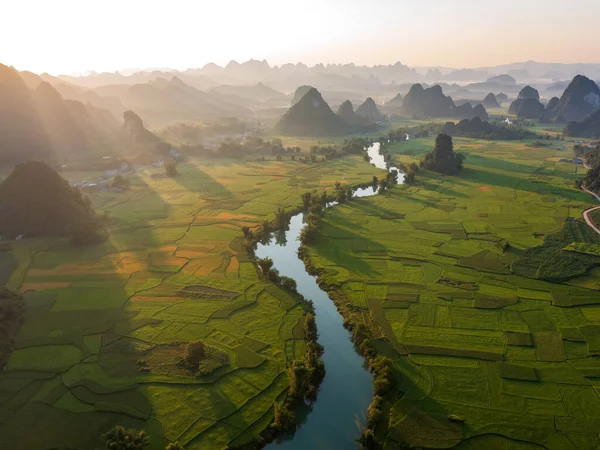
(107, 325)
(491, 349)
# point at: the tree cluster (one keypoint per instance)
(481, 129)
(592, 178)
(120, 438)
(12, 307)
(442, 158)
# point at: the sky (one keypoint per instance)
(77, 36)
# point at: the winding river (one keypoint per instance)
(346, 391)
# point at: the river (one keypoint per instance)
(346, 391)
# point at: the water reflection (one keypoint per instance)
(346, 391)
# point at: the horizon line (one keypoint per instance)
(132, 71)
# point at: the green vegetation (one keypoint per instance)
(204, 359)
(36, 201)
(442, 158)
(11, 316)
(171, 168)
(119, 438)
(554, 261)
(592, 178)
(107, 324)
(588, 127)
(432, 276)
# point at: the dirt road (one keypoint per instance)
(586, 213)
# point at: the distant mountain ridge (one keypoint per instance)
(39, 123)
(166, 100)
(432, 102)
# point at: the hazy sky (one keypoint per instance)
(66, 36)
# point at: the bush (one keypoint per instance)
(119, 438)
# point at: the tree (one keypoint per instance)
(12, 307)
(392, 177)
(341, 196)
(194, 353)
(338, 185)
(308, 235)
(265, 264)
(298, 375)
(248, 234)
(349, 193)
(383, 184)
(442, 158)
(306, 198)
(283, 418)
(119, 438)
(120, 182)
(592, 158)
(592, 179)
(171, 168)
(266, 226)
(280, 218)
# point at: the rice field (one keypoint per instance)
(107, 325)
(490, 353)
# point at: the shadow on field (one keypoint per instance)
(416, 418)
(521, 184)
(442, 188)
(192, 178)
(74, 393)
(357, 246)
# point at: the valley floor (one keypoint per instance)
(494, 345)
(107, 325)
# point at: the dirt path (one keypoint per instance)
(586, 213)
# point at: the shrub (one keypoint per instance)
(119, 438)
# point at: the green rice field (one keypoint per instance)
(107, 325)
(484, 289)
